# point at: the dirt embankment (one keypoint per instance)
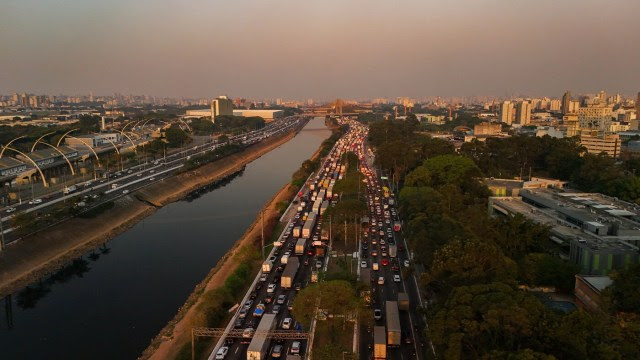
(40, 254)
(177, 332)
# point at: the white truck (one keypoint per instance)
(289, 273)
(394, 331)
(296, 231)
(69, 189)
(300, 245)
(267, 266)
(307, 229)
(259, 345)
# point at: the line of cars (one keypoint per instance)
(380, 247)
(298, 256)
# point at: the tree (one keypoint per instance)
(176, 137)
(463, 262)
(418, 177)
(452, 169)
(624, 293)
(334, 297)
(538, 269)
(478, 319)
(518, 236)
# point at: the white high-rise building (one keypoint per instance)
(523, 113)
(221, 106)
(507, 112)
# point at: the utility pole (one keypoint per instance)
(262, 233)
(345, 236)
(1, 235)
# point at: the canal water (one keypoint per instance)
(112, 301)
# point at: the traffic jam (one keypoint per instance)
(295, 261)
(383, 255)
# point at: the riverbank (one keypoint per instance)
(173, 337)
(43, 253)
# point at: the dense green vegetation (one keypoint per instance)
(473, 263)
(237, 124)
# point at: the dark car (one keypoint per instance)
(238, 323)
(258, 286)
(268, 299)
(281, 268)
(298, 286)
(253, 295)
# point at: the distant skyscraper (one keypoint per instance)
(602, 96)
(638, 106)
(506, 112)
(566, 100)
(523, 113)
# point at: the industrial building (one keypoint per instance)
(599, 233)
(49, 157)
(198, 113)
(10, 167)
(267, 115)
(95, 140)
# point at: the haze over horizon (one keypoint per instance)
(321, 49)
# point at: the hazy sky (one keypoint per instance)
(319, 48)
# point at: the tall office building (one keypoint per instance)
(221, 106)
(566, 100)
(523, 113)
(507, 112)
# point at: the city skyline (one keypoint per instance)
(348, 50)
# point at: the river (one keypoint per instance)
(111, 302)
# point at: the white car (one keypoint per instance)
(125, 191)
(10, 210)
(286, 324)
(406, 263)
(363, 264)
(295, 348)
(380, 280)
(271, 288)
(222, 352)
(396, 278)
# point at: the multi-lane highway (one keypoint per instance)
(383, 258)
(266, 293)
(385, 254)
(121, 183)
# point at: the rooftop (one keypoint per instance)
(598, 283)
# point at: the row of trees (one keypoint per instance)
(474, 262)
